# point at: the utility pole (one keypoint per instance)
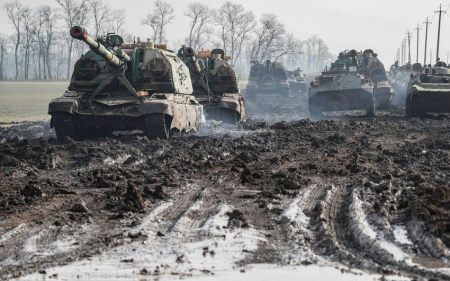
(417, 58)
(409, 46)
(439, 31)
(402, 61)
(426, 38)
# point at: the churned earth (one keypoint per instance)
(351, 198)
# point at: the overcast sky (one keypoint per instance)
(380, 25)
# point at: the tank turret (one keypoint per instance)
(115, 59)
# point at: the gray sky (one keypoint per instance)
(380, 25)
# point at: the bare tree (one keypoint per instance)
(235, 26)
(2, 54)
(101, 13)
(289, 45)
(117, 21)
(162, 15)
(75, 12)
(152, 20)
(200, 15)
(29, 22)
(14, 10)
(268, 35)
(51, 18)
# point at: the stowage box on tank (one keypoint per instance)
(267, 78)
(215, 84)
(122, 87)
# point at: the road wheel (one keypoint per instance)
(65, 127)
(370, 111)
(156, 126)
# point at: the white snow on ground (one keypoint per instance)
(209, 252)
(16, 230)
(401, 235)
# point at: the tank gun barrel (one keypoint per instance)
(190, 53)
(115, 60)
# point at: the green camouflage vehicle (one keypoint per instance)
(374, 71)
(297, 81)
(122, 87)
(343, 87)
(268, 78)
(215, 84)
(429, 92)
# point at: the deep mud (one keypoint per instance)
(365, 195)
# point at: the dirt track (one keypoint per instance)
(371, 195)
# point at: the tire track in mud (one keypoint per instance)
(343, 233)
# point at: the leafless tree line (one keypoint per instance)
(42, 49)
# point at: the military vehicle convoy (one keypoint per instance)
(267, 78)
(374, 70)
(429, 92)
(121, 87)
(342, 87)
(297, 81)
(215, 84)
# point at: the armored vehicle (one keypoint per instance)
(343, 87)
(268, 78)
(297, 80)
(122, 87)
(429, 92)
(374, 71)
(403, 76)
(215, 84)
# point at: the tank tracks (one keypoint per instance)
(156, 126)
(65, 127)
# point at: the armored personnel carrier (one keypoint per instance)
(429, 92)
(215, 84)
(268, 78)
(297, 81)
(343, 87)
(374, 71)
(122, 87)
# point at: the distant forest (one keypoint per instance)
(42, 49)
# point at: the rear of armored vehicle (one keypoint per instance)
(374, 70)
(340, 89)
(268, 78)
(297, 81)
(430, 93)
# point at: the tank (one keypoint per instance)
(215, 84)
(123, 87)
(374, 70)
(297, 81)
(267, 78)
(429, 92)
(342, 87)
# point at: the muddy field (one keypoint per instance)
(349, 198)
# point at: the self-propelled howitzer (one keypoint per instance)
(215, 84)
(122, 87)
